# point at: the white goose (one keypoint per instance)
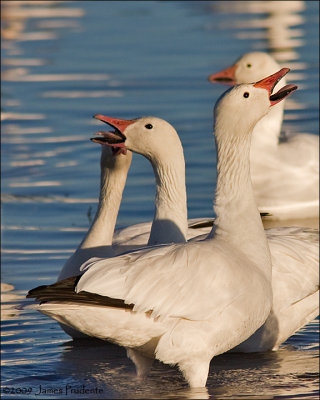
(284, 171)
(185, 303)
(102, 241)
(294, 250)
(295, 285)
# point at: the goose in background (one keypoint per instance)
(284, 170)
(102, 240)
(183, 303)
(98, 240)
(295, 285)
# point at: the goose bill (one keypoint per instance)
(115, 139)
(226, 76)
(270, 82)
(282, 93)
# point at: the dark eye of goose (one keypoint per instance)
(148, 126)
(249, 65)
(246, 94)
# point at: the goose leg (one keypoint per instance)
(142, 363)
(195, 372)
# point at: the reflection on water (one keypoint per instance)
(66, 61)
(309, 222)
(230, 374)
(84, 94)
(21, 75)
(10, 301)
(21, 116)
(273, 21)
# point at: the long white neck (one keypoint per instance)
(113, 178)
(170, 221)
(238, 219)
(266, 133)
(98, 240)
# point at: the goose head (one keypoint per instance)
(151, 137)
(244, 105)
(250, 67)
(156, 140)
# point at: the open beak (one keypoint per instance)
(270, 82)
(226, 76)
(115, 139)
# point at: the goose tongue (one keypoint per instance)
(111, 139)
(115, 139)
(270, 82)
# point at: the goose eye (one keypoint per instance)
(148, 126)
(249, 65)
(246, 94)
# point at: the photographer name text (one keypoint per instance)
(66, 390)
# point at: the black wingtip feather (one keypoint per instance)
(64, 292)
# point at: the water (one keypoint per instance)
(66, 61)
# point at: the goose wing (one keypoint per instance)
(193, 281)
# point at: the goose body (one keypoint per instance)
(284, 169)
(186, 302)
(295, 285)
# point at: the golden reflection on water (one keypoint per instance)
(26, 163)
(30, 62)
(275, 22)
(274, 29)
(14, 15)
(22, 75)
(21, 130)
(53, 139)
(44, 251)
(18, 116)
(9, 302)
(14, 10)
(308, 222)
(9, 198)
(254, 376)
(72, 94)
(34, 184)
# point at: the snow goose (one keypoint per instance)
(102, 241)
(294, 250)
(98, 240)
(185, 303)
(295, 287)
(284, 170)
(170, 219)
(170, 223)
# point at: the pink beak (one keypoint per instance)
(270, 82)
(120, 124)
(226, 76)
(115, 139)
